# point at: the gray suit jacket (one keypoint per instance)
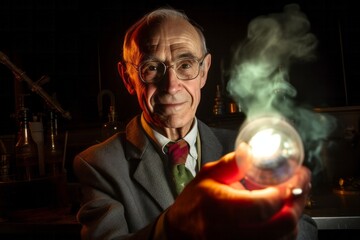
(125, 183)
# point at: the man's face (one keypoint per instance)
(171, 103)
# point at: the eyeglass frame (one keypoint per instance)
(200, 61)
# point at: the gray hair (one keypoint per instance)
(153, 17)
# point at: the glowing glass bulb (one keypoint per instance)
(264, 144)
(276, 150)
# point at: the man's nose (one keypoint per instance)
(170, 83)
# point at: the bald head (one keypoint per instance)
(137, 38)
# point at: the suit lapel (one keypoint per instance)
(150, 172)
(211, 148)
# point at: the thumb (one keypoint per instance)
(230, 168)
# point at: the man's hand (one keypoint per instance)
(215, 205)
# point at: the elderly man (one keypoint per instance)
(128, 187)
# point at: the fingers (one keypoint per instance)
(298, 189)
(284, 225)
(229, 212)
(243, 206)
(254, 206)
(298, 186)
(230, 168)
(217, 198)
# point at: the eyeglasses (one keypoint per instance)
(153, 71)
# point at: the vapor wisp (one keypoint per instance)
(259, 77)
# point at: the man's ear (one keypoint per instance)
(206, 67)
(126, 78)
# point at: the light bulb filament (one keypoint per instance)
(265, 144)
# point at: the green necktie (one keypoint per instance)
(178, 152)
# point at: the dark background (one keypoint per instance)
(78, 44)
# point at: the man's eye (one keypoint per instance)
(152, 68)
(185, 66)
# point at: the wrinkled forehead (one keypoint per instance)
(168, 37)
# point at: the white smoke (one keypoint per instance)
(259, 77)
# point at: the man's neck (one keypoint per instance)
(173, 134)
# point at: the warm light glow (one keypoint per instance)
(264, 145)
(276, 149)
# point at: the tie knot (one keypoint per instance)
(178, 151)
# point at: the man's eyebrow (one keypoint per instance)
(153, 58)
(186, 55)
(149, 58)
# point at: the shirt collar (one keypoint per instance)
(161, 140)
